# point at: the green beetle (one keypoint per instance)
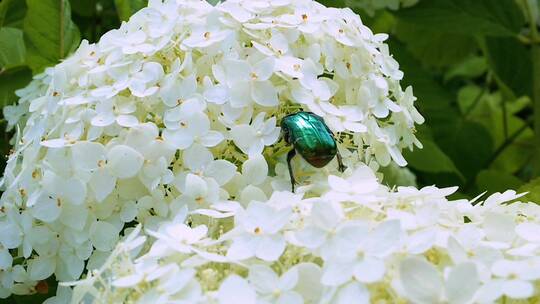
(311, 138)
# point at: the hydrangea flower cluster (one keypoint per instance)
(180, 107)
(358, 242)
(170, 124)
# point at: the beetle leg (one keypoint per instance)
(290, 155)
(342, 167)
(340, 163)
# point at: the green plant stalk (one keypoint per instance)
(535, 57)
(535, 53)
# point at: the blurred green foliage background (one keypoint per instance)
(474, 66)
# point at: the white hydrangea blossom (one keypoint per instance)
(166, 111)
(380, 246)
(171, 123)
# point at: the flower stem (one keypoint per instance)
(535, 52)
(534, 38)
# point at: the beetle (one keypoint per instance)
(311, 138)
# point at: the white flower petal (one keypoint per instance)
(309, 282)
(353, 293)
(339, 184)
(243, 137)
(128, 281)
(265, 94)
(212, 139)
(420, 280)
(289, 279)
(263, 278)
(518, 289)
(180, 139)
(369, 270)
(529, 232)
(462, 283)
(242, 248)
(5, 259)
(198, 124)
(74, 265)
(11, 237)
(384, 238)
(218, 94)
(127, 121)
(270, 248)
(221, 170)
(326, 214)
(46, 209)
(355, 127)
(235, 290)
(290, 297)
(311, 237)
(102, 184)
(54, 143)
(195, 186)
(335, 273)
(74, 191)
(499, 227)
(103, 235)
(197, 158)
(264, 68)
(490, 291)
(87, 155)
(74, 216)
(41, 268)
(239, 98)
(124, 161)
(255, 169)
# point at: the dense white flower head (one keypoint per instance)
(181, 107)
(171, 124)
(405, 245)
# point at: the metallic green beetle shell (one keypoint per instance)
(310, 136)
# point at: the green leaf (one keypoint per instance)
(382, 22)
(435, 101)
(533, 187)
(86, 8)
(333, 3)
(471, 67)
(470, 17)
(11, 80)
(435, 48)
(126, 8)
(512, 64)
(12, 13)
(468, 144)
(430, 159)
(213, 2)
(12, 50)
(394, 175)
(496, 181)
(49, 32)
(4, 6)
(94, 17)
(487, 111)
